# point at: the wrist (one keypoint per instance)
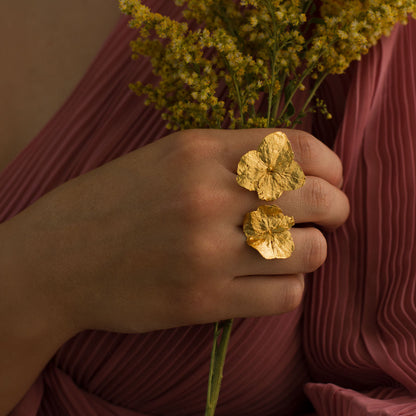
(32, 307)
(32, 327)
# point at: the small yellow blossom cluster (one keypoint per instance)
(242, 74)
(350, 28)
(188, 82)
(258, 54)
(266, 34)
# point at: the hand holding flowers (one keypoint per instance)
(254, 52)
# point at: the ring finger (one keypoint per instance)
(309, 254)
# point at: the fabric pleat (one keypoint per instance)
(360, 314)
(349, 350)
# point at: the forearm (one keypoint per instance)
(30, 329)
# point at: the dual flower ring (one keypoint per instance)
(270, 170)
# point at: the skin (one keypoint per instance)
(46, 47)
(88, 254)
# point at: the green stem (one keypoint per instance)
(271, 88)
(239, 99)
(312, 94)
(277, 101)
(307, 6)
(236, 89)
(222, 334)
(273, 64)
(288, 101)
(212, 363)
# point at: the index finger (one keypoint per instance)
(315, 158)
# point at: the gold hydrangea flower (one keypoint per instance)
(270, 170)
(267, 230)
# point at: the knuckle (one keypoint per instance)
(202, 301)
(196, 145)
(200, 204)
(304, 146)
(319, 197)
(316, 250)
(195, 202)
(202, 253)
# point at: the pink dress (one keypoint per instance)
(349, 350)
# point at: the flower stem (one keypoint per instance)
(222, 334)
(273, 64)
(288, 100)
(311, 94)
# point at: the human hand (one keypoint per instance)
(153, 239)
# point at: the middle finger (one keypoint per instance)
(317, 201)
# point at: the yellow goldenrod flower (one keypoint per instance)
(256, 49)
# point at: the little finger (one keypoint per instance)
(264, 295)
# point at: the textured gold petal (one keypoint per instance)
(290, 179)
(267, 230)
(276, 221)
(250, 169)
(269, 187)
(271, 169)
(275, 150)
(264, 246)
(283, 245)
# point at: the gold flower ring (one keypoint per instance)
(270, 171)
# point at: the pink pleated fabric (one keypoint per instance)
(350, 350)
(360, 313)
